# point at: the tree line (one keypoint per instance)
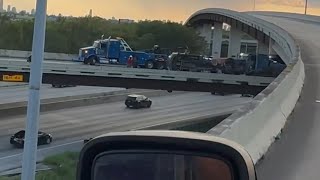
(67, 35)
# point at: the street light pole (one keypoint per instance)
(32, 124)
(306, 7)
(254, 5)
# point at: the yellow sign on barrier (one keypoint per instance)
(12, 78)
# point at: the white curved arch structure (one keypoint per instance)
(256, 125)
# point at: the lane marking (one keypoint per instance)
(42, 149)
(317, 101)
(11, 156)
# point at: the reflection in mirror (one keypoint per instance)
(160, 166)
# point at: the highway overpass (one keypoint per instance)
(296, 155)
(77, 74)
(259, 123)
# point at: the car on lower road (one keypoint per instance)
(138, 101)
(62, 85)
(18, 138)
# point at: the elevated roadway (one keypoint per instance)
(296, 155)
(69, 127)
(114, 76)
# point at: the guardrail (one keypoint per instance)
(256, 125)
(293, 16)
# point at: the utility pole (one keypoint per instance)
(31, 137)
(254, 5)
(306, 7)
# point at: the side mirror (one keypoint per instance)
(176, 155)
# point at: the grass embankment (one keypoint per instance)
(63, 168)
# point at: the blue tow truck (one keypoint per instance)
(117, 51)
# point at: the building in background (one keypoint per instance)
(90, 13)
(14, 10)
(113, 20)
(125, 21)
(9, 8)
(33, 12)
(1, 6)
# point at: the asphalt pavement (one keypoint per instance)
(20, 93)
(296, 155)
(70, 126)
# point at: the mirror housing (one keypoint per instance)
(170, 142)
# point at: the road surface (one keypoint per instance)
(20, 93)
(296, 156)
(69, 127)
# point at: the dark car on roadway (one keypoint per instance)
(18, 138)
(62, 85)
(138, 101)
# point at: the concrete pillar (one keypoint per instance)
(234, 43)
(217, 40)
(271, 50)
(263, 49)
(205, 31)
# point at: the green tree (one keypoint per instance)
(67, 35)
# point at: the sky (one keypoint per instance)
(175, 10)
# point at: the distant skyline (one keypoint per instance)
(1, 5)
(175, 10)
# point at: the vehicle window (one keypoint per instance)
(96, 44)
(122, 47)
(20, 134)
(131, 98)
(103, 45)
(146, 166)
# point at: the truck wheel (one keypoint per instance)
(86, 61)
(92, 60)
(160, 65)
(149, 64)
(48, 140)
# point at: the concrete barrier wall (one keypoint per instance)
(292, 16)
(47, 56)
(256, 125)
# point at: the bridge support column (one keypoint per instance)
(263, 49)
(234, 43)
(205, 31)
(217, 40)
(271, 50)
